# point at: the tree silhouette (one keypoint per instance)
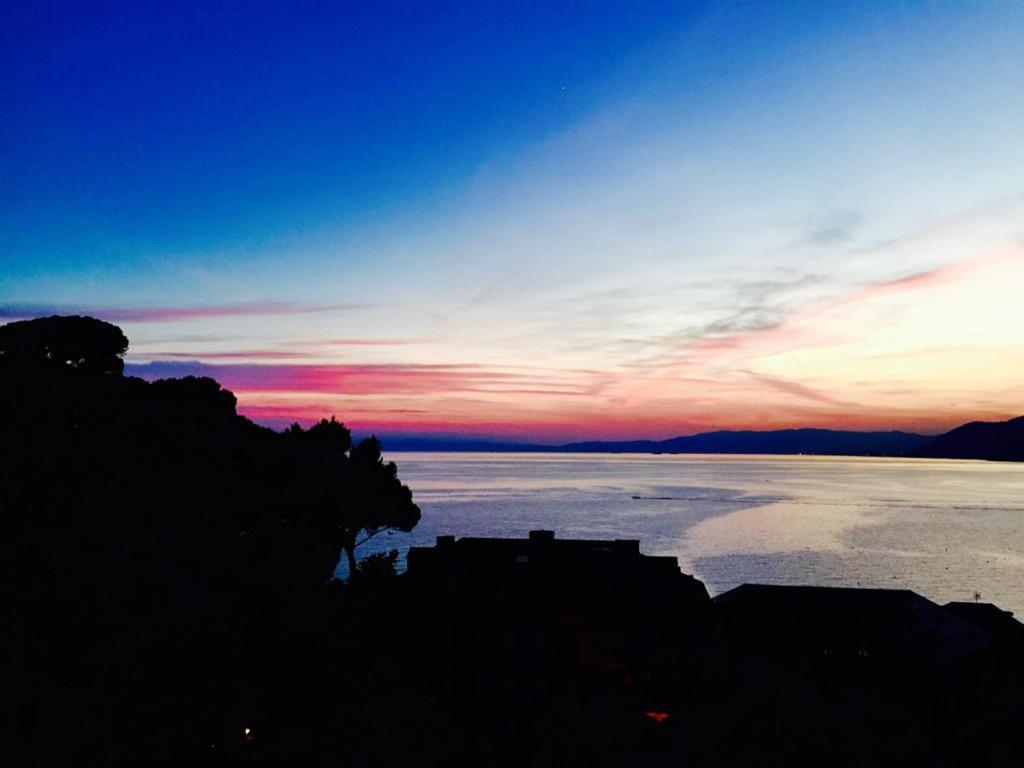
(52, 344)
(380, 565)
(330, 436)
(351, 494)
(203, 528)
(374, 500)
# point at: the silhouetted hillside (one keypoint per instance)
(992, 440)
(166, 563)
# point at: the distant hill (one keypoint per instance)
(996, 441)
(992, 440)
(783, 441)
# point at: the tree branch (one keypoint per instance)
(369, 536)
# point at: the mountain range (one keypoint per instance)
(993, 440)
(999, 441)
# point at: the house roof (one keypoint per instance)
(811, 598)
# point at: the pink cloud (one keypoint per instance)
(822, 325)
(947, 274)
(353, 379)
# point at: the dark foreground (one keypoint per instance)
(545, 652)
(168, 600)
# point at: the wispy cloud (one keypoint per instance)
(169, 314)
(796, 389)
(371, 342)
(243, 354)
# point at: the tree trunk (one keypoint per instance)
(350, 554)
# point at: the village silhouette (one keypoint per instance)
(170, 599)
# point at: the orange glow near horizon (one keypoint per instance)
(921, 353)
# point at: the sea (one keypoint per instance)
(950, 530)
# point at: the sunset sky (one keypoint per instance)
(531, 221)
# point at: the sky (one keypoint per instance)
(531, 221)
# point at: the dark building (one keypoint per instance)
(1005, 631)
(546, 609)
(544, 649)
(843, 676)
(548, 574)
(842, 625)
(541, 650)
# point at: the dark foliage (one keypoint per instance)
(52, 344)
(163, 555)
(378, 566)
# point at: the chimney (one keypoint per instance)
(537, 537)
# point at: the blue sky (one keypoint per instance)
(179, 127)
(582, 213)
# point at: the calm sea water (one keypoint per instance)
(943, 528)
